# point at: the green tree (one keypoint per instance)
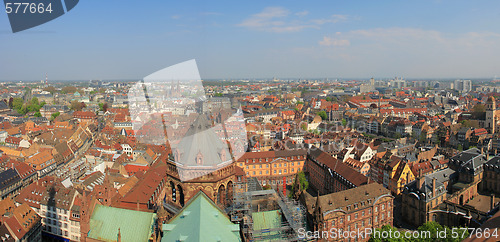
(344, 122)
(17, 103)
(300, 184)
(434, 228)
(34, 101)
(38, 114)
(389, 230)
(423, 137)
(50, 89)
(55, 115)
(77, 106)
(460, 147)
(323, 115)
(68, 89)
(430, 231)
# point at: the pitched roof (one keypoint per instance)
(145, 188)
(340, 168)
(107, 222)
(339, 200)
(8, 178)
(201, 220)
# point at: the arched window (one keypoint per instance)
(221, 195)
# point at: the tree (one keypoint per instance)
(389, 230)
(478, 111)
(430, 231)
(17, 104)
(300, 184)
(423, 137)
(68, 89)
(460, 147)
(55, 115)
(328, 99)
(34, 101)
(344, 122)
(11, 100)
(323, 115)
(50, 89)
(77, 106)
(397, 136)
(38, 114)
(105, 107)
(434, 228)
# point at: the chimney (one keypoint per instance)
(434, 186)
(492, 202)
(421, 182)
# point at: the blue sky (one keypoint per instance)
(111, 39)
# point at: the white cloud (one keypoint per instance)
(328, 41)
(332, 19)
(302, 14)
(411, 52)
(280, 20)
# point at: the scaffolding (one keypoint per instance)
(249, 198)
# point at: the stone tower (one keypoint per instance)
(490, 115)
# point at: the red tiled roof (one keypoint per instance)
(132, 169)
(342, 169)
(84, 115)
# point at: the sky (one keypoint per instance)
(126, 39)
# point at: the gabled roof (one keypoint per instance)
(107, 222)
(337, 166)
(339, 200)
(200, 220)
(8, 178)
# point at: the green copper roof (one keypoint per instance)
(200, 220)
(264, 223)
(133, 225)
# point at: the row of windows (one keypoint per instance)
(275, 171)
(275, 165)
(56, 231)
(369, 220)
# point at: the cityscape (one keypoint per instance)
(249, 121)
(348, 155)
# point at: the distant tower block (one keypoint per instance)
(490, 115)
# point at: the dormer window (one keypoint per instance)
(222, 155)
(199, 159)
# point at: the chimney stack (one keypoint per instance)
(421, 182)
(434, 186)
(492, 202)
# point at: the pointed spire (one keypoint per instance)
(318, 216)
(119, 239)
